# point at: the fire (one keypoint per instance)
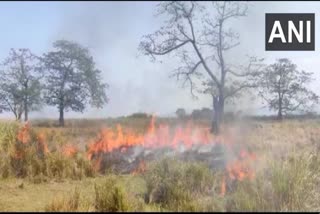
(187, 136)
(108, 141)
(42, 145)
(141, 168)
(162, 137)
(122, 143)
(70, 150)
(24, 134)
(240, 168)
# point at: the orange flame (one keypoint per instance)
(141, 168)
(154, 138)
(240, 168)
(70, 150)
(23, 134)
(42, 145)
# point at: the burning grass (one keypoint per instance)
(267, 166)
(291, 185)
(25, 154)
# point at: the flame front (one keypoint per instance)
(24, 134)
(123, 144)
(238, 168)
(70, 150)
(190, 135)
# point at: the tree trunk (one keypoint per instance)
(280, 110)
(19, 116)
(61, 117)
(214, 123)
(216, 117)
(26, 111)
(280, 117)
(221, 108)
(218, 111)
(16, 116)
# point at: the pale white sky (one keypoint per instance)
(113, 30)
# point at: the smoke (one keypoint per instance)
(123, 151)
(112, 32)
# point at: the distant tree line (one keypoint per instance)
(65, 77)
(202, 114)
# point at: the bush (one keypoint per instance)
(111, 197)
(176, 185)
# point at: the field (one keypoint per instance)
(283, 176)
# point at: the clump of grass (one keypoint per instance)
(24, 154)
(60, 167)
(5, 168)
(68, 204)
(111, 196)
(290, 185)
(8, 134)
(176, 185)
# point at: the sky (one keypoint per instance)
(112, 32)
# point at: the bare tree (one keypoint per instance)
(20, 89)
(199, 36)
(284, 89)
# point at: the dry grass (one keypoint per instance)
(287, 173)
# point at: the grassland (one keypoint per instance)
(287, 173)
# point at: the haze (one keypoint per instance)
(112, 32)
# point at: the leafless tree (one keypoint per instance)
(197, 33)
(284, 89)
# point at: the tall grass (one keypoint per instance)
(71, 203)
(291, 185)
(176, 185)
(112, 197)
(30, 159)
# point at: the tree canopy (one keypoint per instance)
(20, 85)
(72, 81)
(284, 88)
